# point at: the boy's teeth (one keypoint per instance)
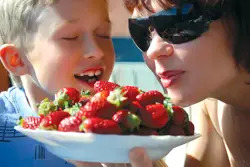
(98, 72)
(91, 80)
(91, 73)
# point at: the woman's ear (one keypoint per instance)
(12, 60)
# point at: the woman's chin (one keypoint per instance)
(181, 101)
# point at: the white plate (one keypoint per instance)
(103, 148)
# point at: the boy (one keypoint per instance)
(47, 45)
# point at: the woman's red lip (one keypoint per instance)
(169, 74)
(170, 79)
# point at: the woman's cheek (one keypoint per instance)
(150, 63)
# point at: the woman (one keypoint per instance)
(198, 50)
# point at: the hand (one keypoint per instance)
(138, 158)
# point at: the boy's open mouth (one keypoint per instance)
(90, 76)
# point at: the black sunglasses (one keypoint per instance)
(173, 25)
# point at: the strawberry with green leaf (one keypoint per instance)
(30, 122)
(127, 120)
(117, 98)
(74, 109)
(52, 120)
(45, 107)
(98, 106)
(66, 97)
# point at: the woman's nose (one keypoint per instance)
(91, 48)
(159, 48)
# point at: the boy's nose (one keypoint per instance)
(91, 48)
(159, 48)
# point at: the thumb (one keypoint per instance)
(139, 158)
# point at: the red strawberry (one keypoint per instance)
(154, 116)
(97, 107)
(52, 120)
(101, 126)
(150, 97)
(130, 92)
(189, 129)
(105, 85)
(30, 122)
(135, 106)
(127, 120)
(175, 130)
(69, 124)
(66, 97)
(146, 132)
(180, 117)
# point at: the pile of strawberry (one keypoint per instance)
(113, 109)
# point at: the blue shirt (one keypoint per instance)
(17, 150)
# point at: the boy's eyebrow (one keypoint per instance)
(107, 20)
(72, 20)
(61, 26)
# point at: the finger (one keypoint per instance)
(85, 164)
(116, 165)
(139, 158)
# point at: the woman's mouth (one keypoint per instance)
(169, 77)
(90, 76)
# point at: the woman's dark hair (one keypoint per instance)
(237, 9)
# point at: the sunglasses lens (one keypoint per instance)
(171, 26)
(181, 32)
(140, 34)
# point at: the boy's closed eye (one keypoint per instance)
(73, 38)
(104, 31)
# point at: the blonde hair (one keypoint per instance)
(17, 19)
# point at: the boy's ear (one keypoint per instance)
(12, 60)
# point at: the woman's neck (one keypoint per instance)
(237, 93)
